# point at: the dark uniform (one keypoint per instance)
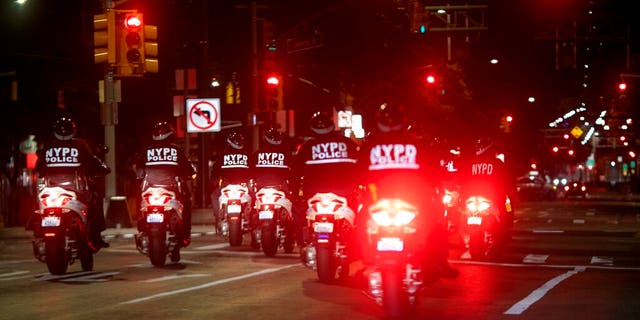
(68, 162)
(325, 163)
(396, 164)
(164, 163)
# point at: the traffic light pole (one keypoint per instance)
(110, 120)
(253, 116)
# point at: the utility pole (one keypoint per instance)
(110, 107)
(253, 116)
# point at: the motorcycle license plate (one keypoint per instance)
(390, 244)
(323, 227)
(51, 221)
(155, 218)
(234, 208)
(267, 214)
(474, 220)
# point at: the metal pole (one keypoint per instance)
(254, 77)
(110, 135)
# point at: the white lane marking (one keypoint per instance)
(547, 231)
(15, 275)
(213, 246)
(210, 284)
(98, 277)
(175, 276)
(535, 258)
(16, 261)
(537, 294)
(48, 276)
(579, 221)
(602, 260)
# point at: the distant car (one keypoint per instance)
(535, 188)
(575, 189)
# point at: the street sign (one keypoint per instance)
(576, 132)
(203, 115)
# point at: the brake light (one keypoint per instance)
(477, 204)
(392, 213)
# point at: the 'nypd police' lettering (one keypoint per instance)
(270, 159)
(61, 155)
(393, 156)
(162, 154)
(329, 150)
(482, 169)
(235, 161)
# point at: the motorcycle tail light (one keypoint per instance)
(392, 213)
(53, 201)
(234, 192)
(447, 199)
(158, 199)
(477, 204)
(326, 206)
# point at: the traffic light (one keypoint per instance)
(430, 79)
(274, 92)
(505, 123)
(104, 38)
(131, 35)
(150, 34)
(622, 87)
(268, 37)
(418, 18)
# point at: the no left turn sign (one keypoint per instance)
(203, 115)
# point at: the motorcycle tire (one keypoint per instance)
(56, 255)
(394, 298)
(86, 257)
(235, 232)
(478, 245)
(326, 266)
(175, 254)
(157, 248)
(269, 240)
(290, 238)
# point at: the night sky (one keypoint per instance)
(49, 46)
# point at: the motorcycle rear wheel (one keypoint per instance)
(477, 245)
(325, 264)
(269, 240)
(235, 232)
(157, 248)
(56, 255)
(86, 257)
(394, 299)
(290, 238)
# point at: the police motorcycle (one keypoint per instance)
(331, 221)
(275, 226)
(235, 209)
(480, 225)
(161, 222)
(61, 225)
(392, 240)
(61, 230)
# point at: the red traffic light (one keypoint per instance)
(431, 79)
(622, 86)
(133, 22)
(509, 118)
(273, 81)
